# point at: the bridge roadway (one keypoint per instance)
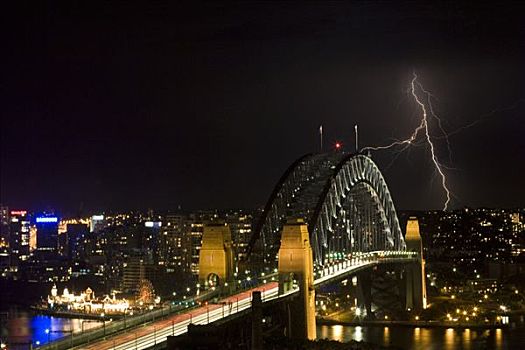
(153, 333)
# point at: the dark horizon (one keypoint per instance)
(114, 107)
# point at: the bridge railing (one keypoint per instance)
(360, 259)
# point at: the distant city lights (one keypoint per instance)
(153, 224)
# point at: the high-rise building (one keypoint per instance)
(97, 223)
(4, 240)
(4, 225)
(76, 232)
(47, 233)
(19, 236)
(133, 272)
(241, 228)
(174, 243)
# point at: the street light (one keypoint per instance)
(48, 334)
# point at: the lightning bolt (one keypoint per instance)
(423, 127)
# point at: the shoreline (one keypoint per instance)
(410, 324)
(69, 314)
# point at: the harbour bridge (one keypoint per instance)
(330, 217)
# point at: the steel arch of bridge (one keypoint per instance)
(343, 198)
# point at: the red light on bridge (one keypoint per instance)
(338, 145)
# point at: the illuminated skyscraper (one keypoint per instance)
(4, 225)
(47, 233)
(97, 223)
(19, 236)
(174, 245)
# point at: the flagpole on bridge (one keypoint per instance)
(321, 137)
(356, 140)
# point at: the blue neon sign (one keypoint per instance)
(45, 219)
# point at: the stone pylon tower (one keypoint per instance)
(296, 266)
(416, 291)
(216, 266)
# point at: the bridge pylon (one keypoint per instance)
(416, 292)
(296, 266)
(216, 266)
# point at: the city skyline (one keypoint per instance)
(109, 113)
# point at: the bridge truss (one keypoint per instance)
(342, 197)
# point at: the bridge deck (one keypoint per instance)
(153, 333)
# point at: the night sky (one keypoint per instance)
(117, 106)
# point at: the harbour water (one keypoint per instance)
(28, 328)
(24, 329)
(427, 338)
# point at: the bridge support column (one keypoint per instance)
(416, 293)
(296, 266)
(364, 293)
(216, 257)
(257, 335)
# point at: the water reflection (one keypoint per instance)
(338, 333)
(358, 334)
(498, 338)
(466, 338)
(25, 329)
(427, 338)
(417, 334)
(449, 338)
